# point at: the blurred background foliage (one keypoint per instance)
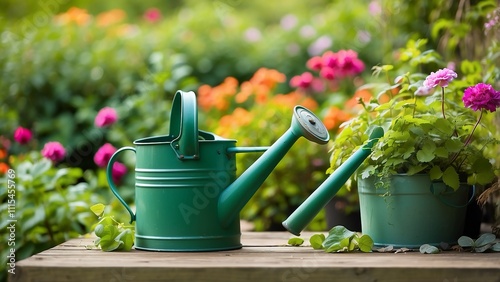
(62, 61)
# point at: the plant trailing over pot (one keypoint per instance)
(436, 124)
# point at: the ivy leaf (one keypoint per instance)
(295, 241)
(428, 249)
(435, 173)
(365, 243)
(441, 152)
(317, 241)
(450, 178)
(453, 145)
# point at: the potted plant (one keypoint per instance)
(438, 146)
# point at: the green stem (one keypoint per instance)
(468, 140)
(442, 102)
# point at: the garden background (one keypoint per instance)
(249, 62)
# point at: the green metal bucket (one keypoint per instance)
(410, 211)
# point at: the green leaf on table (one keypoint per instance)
(496, 247)
(428, 249)
(337, 234)
(295, 241)
(365, 243)
(465, 241)
(485, 239)
(316, 241)
(482, 249)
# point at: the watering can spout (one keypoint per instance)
(305, 213)
(237, 194)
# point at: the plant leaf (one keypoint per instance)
(98, 209)
(365, 243)
(484, 239)
(295, 241)
(428, 249)
(482, 249)
(496, 247)
(465, 241)
(450, 178)
(316, 241)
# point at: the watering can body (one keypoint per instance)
(186, 192)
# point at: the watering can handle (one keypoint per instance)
(184, 125)
(450, 204)
(109, 175)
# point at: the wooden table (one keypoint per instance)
(264, 257)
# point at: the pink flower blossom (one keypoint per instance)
(22, 135)
(327, 73)
(152, 15)
(102, 156)
(440, 78)
(54, 151)
(106, 116)
(343, 63)
(302, 81)
(423, 91)
(118, 171)
(315, 63)
(481, 96)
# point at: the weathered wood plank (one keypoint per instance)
(264, 256)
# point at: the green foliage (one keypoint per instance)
(484, 243)
(112, 235)
(418, 137)
(49, 203)
(428, 249)
(295, 241)
(340, 239)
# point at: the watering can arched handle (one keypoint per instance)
(109, 176)
(184, 125)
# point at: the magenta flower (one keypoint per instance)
(302, 81)
(440, 78)
(22, 135)
(54, 151)
(343, 63)
(152, 15)
(118, 171)
(106, 116)
(327, 73)
(315, 63)
(481, 96)
(102, 156)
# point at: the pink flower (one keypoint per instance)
(102, 156)
(440, 78)
(22, 135)
(152, 15)
(343, 63)
(423, 91)
(481, 96)
(327, 73)
(118, 171)
(54, 151)
(302, 81)
(106, 116)
(315, 63)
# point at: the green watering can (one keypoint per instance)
(186, 193)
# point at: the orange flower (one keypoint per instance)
(295, 98)
(267, 77)
(364, 94)
(4, 168)
(246, 91)
(3, 154)
(228, 123)
(74, 14)
(110, 17)
(209, 97)
(335, 117)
